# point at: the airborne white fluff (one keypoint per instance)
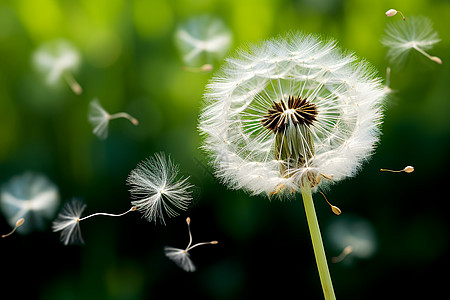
(293, 108)
(417, 33)
(68, 222)
(181, 257)
(57, 60)
(99, 118)
(155, 189)
(202, 39)
(31, 196)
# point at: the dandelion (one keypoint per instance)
(100, 118)
(58, 59)
(292, 114)
(17, 225)
(30, 196)
(68, 221)
(181, 257)
(407, 169)
(392, 12)
(417, 34)
(155, 189)
(201, 40)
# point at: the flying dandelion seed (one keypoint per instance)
(205, 68)
(99, 118)
(181, 257)
(30, 196)
(155, 189)
(392, 12)
(201, 40)
(17, 225)
(407, 169)
(68, 221)
(292, 114)
(417, 34)
(336, 210)
(352, 235)
(387, 85)
(58, 59)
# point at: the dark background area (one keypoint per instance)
(130, 63)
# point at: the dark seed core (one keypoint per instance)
(298, 111)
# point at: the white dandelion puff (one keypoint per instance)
(155, 189)
(99, 118)
(291, 109)
(417, 34)
(58, 59)
(201, 40)
(68, 221)
(181, 257)
(30, 196)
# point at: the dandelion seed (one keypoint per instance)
(292, 109)
(355, 235)
(30, 196)
(201, 40)
(58, 59)
(407, 169)
(68, 221)
(205, 68)
(392, 12)
(334, 209)
(100, 118)
(181, 257)
(347, 250)
(18, 224)
(155, 190)
(417, 34)
(387, 87)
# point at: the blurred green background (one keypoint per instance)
(130, 63)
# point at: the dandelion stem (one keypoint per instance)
(107, 214)
(316, 239)
(125, 116)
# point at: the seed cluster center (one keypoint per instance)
(297, 111)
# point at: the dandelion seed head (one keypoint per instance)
(292, 108)
(155, 189)
(31, 196)
(400, 37)
(68, 222)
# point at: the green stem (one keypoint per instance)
(316, 238)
